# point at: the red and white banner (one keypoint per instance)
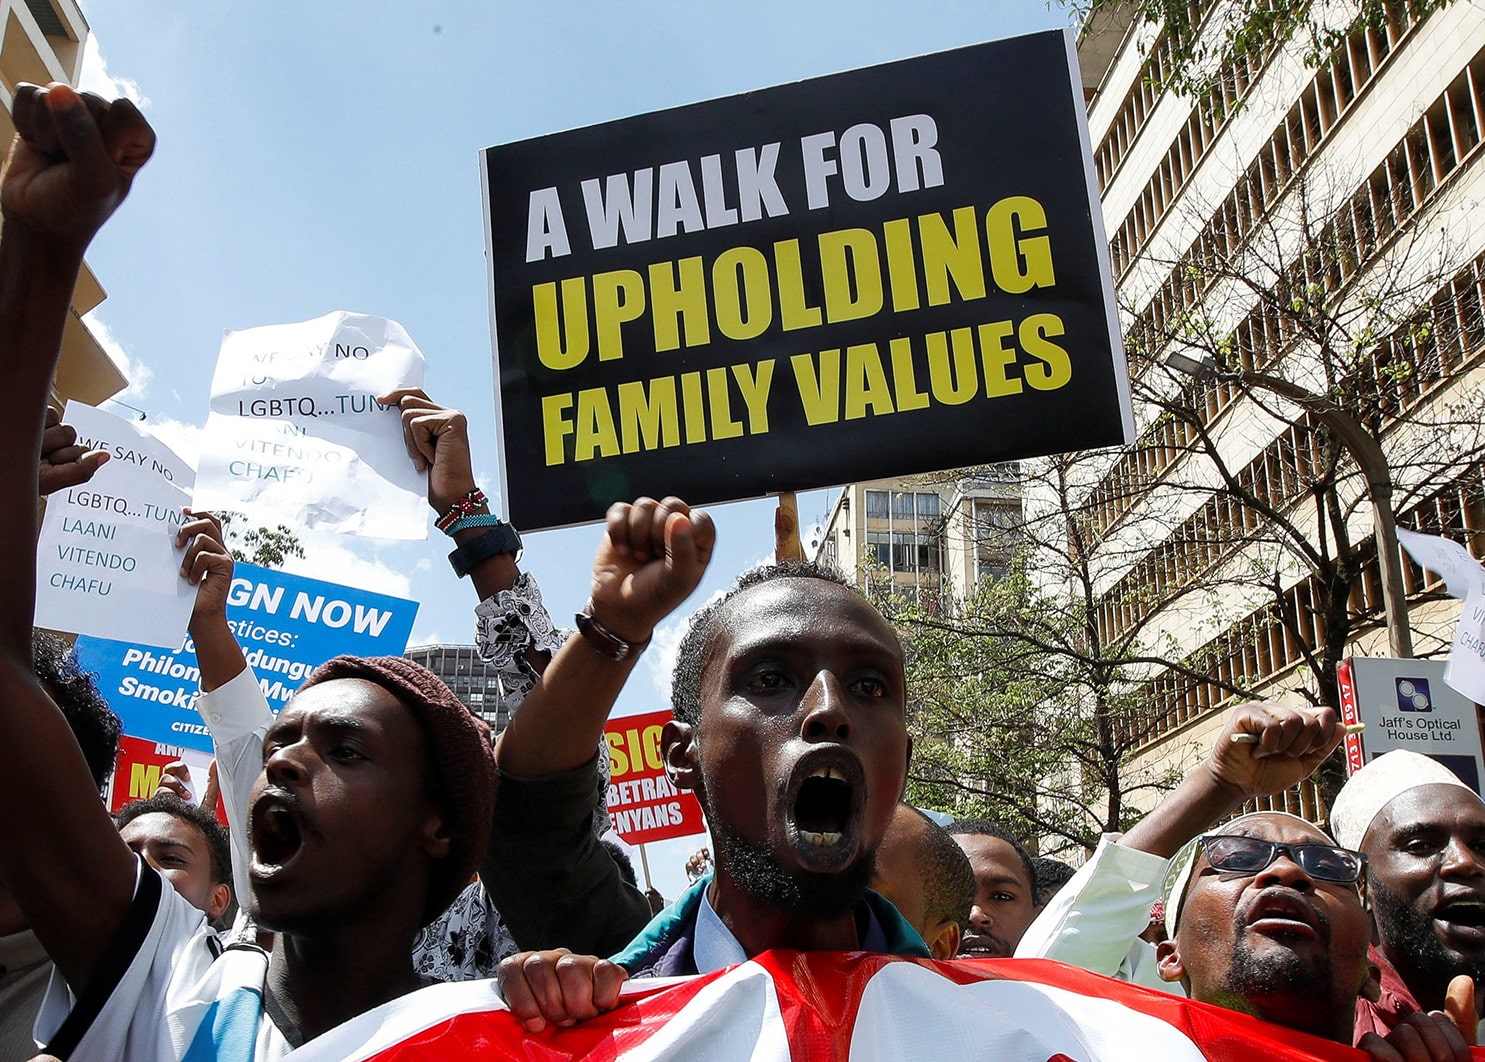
(838, 1006)
(643, 805)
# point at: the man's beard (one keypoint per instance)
(1290, 988)
(1279, 971)
(1276, 973)
(758, 871)
(1414, 948)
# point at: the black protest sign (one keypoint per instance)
(881, 272)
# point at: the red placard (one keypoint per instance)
(642, 802)
(136, 773)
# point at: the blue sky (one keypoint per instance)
(323, 156)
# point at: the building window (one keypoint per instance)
(876, 505)
(929, 507)
(914, 553)
(879, 548)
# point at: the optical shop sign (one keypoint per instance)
(643, 804)
(880, 272)
(287, 626)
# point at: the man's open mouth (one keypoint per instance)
(1282, 913)
(1463, 915)
(277, 835)
(983, 946)
(826, 794)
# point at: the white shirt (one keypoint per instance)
(162, 994)
(1096, 920)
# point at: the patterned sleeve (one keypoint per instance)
(506, 624)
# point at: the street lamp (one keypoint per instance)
(1366, 452)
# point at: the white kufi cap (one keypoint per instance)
(1376, 785)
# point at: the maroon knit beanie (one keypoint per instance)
(463, 761)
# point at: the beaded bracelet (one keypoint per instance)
(464, 523)
(464, 506)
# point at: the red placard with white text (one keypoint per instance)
(642, 803)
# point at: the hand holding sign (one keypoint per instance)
(63, 462)
(296, 433)
(207, 564)
(437, 440)
(651, 558)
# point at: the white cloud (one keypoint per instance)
(325, 558)
(94, 77)
(183, 438)
(427, 637)
(423, 565)
(136, 372)
(665, 643)
(763, 560)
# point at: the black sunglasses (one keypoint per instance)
(1236, 854)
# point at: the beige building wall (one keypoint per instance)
(931, 536)
(42, 41)
(1163, 168)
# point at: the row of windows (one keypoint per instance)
(1140, 101)
(1319, 107)
(1286, 468)
(1137, 469)
(1265, 645)
(899, 552)
(1400, 370)
(1445, 336)
(1207, 119)
(922, 507)
(1393, 192)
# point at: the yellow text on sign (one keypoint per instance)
(634, 751)
(144, 779)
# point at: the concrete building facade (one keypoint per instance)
(1380, 141)
(42, 41)
(929, 537)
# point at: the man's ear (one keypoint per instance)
(1168, 961)
(678, 750)
(220, 900)
(943, 939)
(434, 836)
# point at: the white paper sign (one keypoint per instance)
(296, 436)
(106, 562)
(1465, 579)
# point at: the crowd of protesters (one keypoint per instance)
(381, 839)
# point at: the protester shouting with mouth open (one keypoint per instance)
(1423, 832)
(1267, 916)
(376, 792)
(790, 726)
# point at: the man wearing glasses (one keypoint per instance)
(1268, 917)
(1096, 919)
